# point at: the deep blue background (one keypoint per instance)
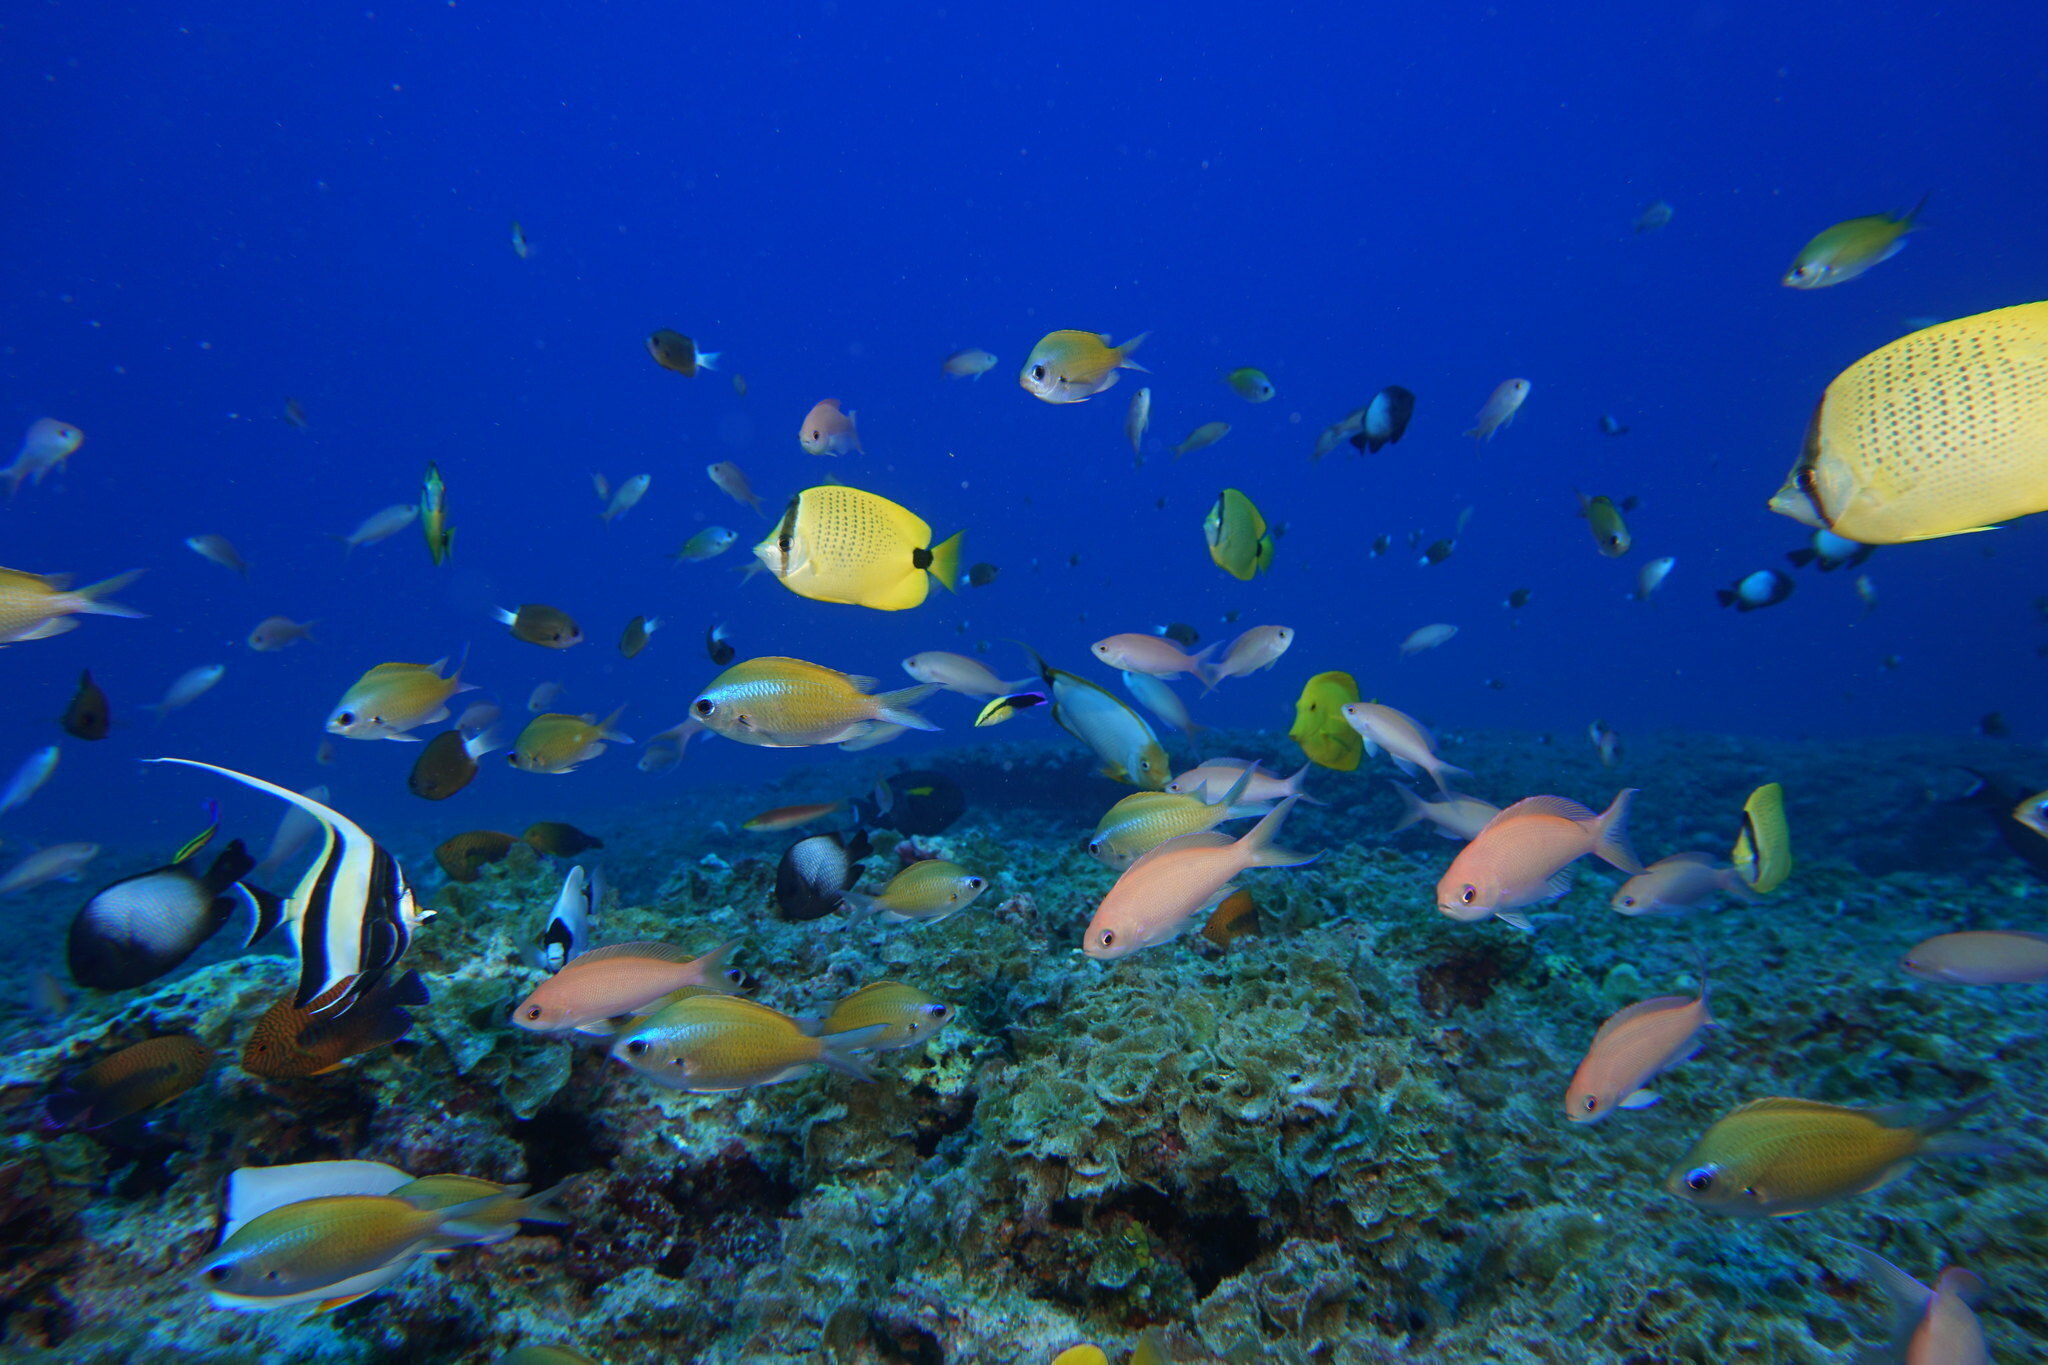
(203, 215)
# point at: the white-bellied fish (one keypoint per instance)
(566, 933)
(1981, 957)
(1137, 418)
(220, 550)
(925, 892)
(1651, 577)
(379, 526)
(709, 543)
(829, 430)
(1215, 775)
(1386, 419)
(1764, 588)
(45, 447)
(781, 703)
(1500, 409)
(1157, 696)
(394, 698)
(907, 1015)
(1153, 654)
(1255, 649)
(708, 1044)
(1425, 638)
(958, 673)
(1129, 750)
(626, 498)
(1407, 741)
(1072, 367)
(555, 743)
(1849, 248)
(1673, 885)
(143, 927)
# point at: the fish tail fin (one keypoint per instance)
(541, 1208)
(1610, 834)
(1414, 810)
(841, 1051)
(1261, 851)
(605, 730)
(1206, 673)
(1294, 781)
(1123, 353)
(92, 597)
(708, 360)
(894, 707)
(945, 565)
(1440, 771)
(506, 618)
(1802, 557)
(856, 906)
(1950, 1117)
(1911, 217)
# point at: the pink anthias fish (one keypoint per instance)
(1135, 652)
(1500, 409)
(1673, 885)
(1522, 856)
(1260, 647)
(1179, 882)
(828, 430)
(273, 633)
(1218, 775)
(1457, 816)
(958, 673)
(733, 483)
(58, 862)
(1931, 1326)
(45, 447)
(1631, 1049)
(1406, 741)
(1981, 957)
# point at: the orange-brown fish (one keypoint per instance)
(90, 715)
(1631, 1049)
(463, 857)
(1167, 889)
(1521, 856)
(448, 763)
(789, 817)
(559, 840)
(1930, 1326)
(615, 980)
(1236, 916)
(289, 1043)
(135, 1079)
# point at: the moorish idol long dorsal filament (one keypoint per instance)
(352, 914)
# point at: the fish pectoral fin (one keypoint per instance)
(1559, 884)
(1639, 1099)
(1515, 919)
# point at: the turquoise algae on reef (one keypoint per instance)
(1305, 974)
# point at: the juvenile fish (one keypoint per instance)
(379, 526)
(45, 447)
(708, 543)
(731, 482)
(626, 498)
(29, 778)
(1673, 885)
(971, 363)
(827, 430)
(189, 687)
(220, 550)
(1500, 409)
(1136, 419)
(273, 633)
(290, 1043)
(90, 715)
(814, 872)
(536, 624)
(958, 673)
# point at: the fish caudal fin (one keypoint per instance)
(1414, 810)
(857, 906)
(606, 730)
(708, 360)
(1259, 848)
(90, 599)
(945, 563)
(1610, 835)
(894, 707)
(1123, 353)
(1441, 771)
(841, 1051)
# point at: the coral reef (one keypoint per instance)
(1338, 1140)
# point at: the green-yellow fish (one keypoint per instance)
(434, 516)
(391, 699)
(1143, 821)
(1848, 249)
(37, 606)
(1201, 438)
(555, 743)
(1763, 851)
(1604, 520)
(907, 1015)
(925, 892)
(783, 703)
(329, 1250)
(1250, 384)
(1775, 1157)
(1238, 539)
(1320, 728)
(707, 1044)
(491, 1205)
(1072, 367)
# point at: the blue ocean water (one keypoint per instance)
(214, 210)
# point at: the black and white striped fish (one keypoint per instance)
(352, 913)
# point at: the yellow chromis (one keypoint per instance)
(1250, 385)
(907, 1015)
(1775, 1157)
(37, 606)
(329, 1250)
(707, 1044)
(391, 699)
(839, 544)
(1143, 821)
(434, 516)
(555, 743)
(1320, 727)
(1604, 520)
(925, 892)
(780, 703)
(1072, 367)
(1238, 539)
(1763, 851)
(1848, 249)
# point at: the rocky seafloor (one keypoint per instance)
(1338, 1140)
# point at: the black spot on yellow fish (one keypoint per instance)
(133, 1080)
(443, 768)
(558, 840)
(464, 856)
(89, 716)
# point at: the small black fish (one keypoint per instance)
(635, 637)
(1518, 599)
(89, 716)
(981, 575)
(815, 871)
(1437, 553)
(1074, 560)
(1230, 617)
(1611, 425)
(537, 624)
(1992, 725)
(717, 646)
(559, 840)
(446, 765)
(1386, 419)
(135, 930)
(1381, 544)
(1181, 633)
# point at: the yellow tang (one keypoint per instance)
(1763, 851)
(1943, 431)
(1237, 536)
(1319, 727)
(838, 544)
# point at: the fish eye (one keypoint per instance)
(1628, 902)
(938, 1011)
(704, 706)
(636, 1047)
(346, 718)
(1700, 1179)
(216, 1274)
(1468, 895)
(1592, 1103)
(735, 976)
(274, 1276)
(1107, 938)
(1038, 371)
(533, 1011)
(975, 883)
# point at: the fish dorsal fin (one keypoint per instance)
(1661, 1005)
(1202, 839)
(653, 951)
(1786, 1104)
(386, 670)
(1700, 859)
(256, 1190)
(1560, 806)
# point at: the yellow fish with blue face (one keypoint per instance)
(1072, 367)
